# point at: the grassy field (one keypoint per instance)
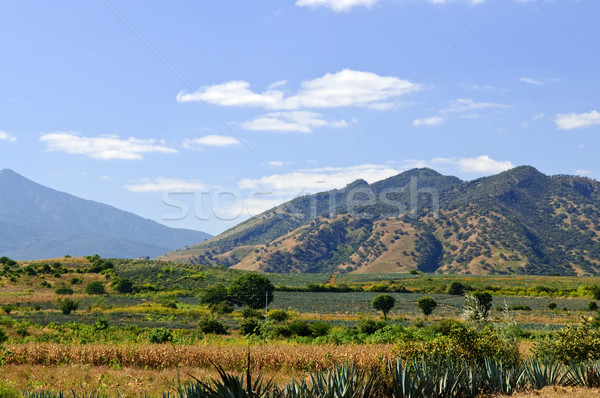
(119, 343)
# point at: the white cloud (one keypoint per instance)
(106, 147)
(333, 90)
(161, 184)
(276, 163)
(299, 121)
(479, 164)
(471, 2)
(538, 116)
(529, 80)
(583, 172)
(569, 121)
(210, 140)
(428, 121)
(318, 179)
(4, 136)
(336, 5)
(459, 105)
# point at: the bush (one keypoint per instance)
(160, 336)
(300, 328)
(76, 281)
(456, 289)
(278, 315)
(67, 306)
(445, 326)
(3, 336)
(519, 307)
(369, 326)
(552, 306)
(7, 308)
(211, 325)
(319, 329)
(221, 308)
(124, 286)
(593, 306)
(282, 331)
(64, 290)
(573, 343)
(250, 326)
(169, 303)
(252, 313)
(95, 288)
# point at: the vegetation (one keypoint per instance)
(426, 304)
(384, 303)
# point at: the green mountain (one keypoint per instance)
(519, 221)
(39, 222)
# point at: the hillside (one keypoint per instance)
(39, 222)
(519, 221)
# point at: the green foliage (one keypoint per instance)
(221, 308)
(384, 303)
(426, 304)
(248, 313)
(574, 343)
(94, 288)
(251, 289)
(215, 294)
(64, 290)
(519, 307)
(369, 326)
(552, 306)
(3, 336)
(593, 306)
(300, 328)
(98, 264)
(211, 325)
(477, 306)
(456, 289)
(160, 336)
(250, 326)
(67, 306)
(124, 286)
(278, 315)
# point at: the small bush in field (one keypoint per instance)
(252, 313)
(369, 326)
(211, 325)
(160, 336)
(64, 290)
(278, 315)
(250, 326)
(95, 288)
(67, 306)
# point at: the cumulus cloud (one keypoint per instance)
(570, 121)
(428, 121)
(4, 136)
(276, 163)
(479, 164)
(341, 89)
(161, 184)
(529, 80)
(210, 140)
(298, 121)
(106, 147)
(459, 105)
(318, 179)
(336, 5)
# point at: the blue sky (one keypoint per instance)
(200, 114)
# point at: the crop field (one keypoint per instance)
(162, 329)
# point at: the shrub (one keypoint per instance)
(95, 288)
(593, 306)
(369, 326)
(160, 336)
(76, 281)
(64, 290)
(124, 286)
(278, 315)
(456, 289)
(250, 326)
(426, 304)
(445, 326)
(221, 308)
(572, 343)
(67, 306)
(169, 303)
(320, 329)
(7, 308)
(552, 306)
(211, 325)
(300, 328)
(519, 307)
(252, 313)
(282, 331)
(3, 336)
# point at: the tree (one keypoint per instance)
(456, 289)
(67, 306)
(384, 303)
(215, 294)
(477, 306)
(95, 288)
(251, 289)
(124, 286)
(426, 304)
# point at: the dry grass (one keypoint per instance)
(559, 392)
(287, 357)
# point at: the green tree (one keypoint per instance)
(383, 303)
(124, 286)
(67, 306)
(426, 304)
(477, 306)
(215, 294)
(456, 289)
(251, 289)
(95, 288)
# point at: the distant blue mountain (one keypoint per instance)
(38, 222)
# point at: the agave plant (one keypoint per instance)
(502, 379)
(585, 374)
(60, 394)
(546, 372)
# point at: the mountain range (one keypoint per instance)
(38, 222)
(517, 222)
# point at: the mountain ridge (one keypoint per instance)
(40, 222)
(519, 221)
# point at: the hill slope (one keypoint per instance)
(39, 222)
(519, 221)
